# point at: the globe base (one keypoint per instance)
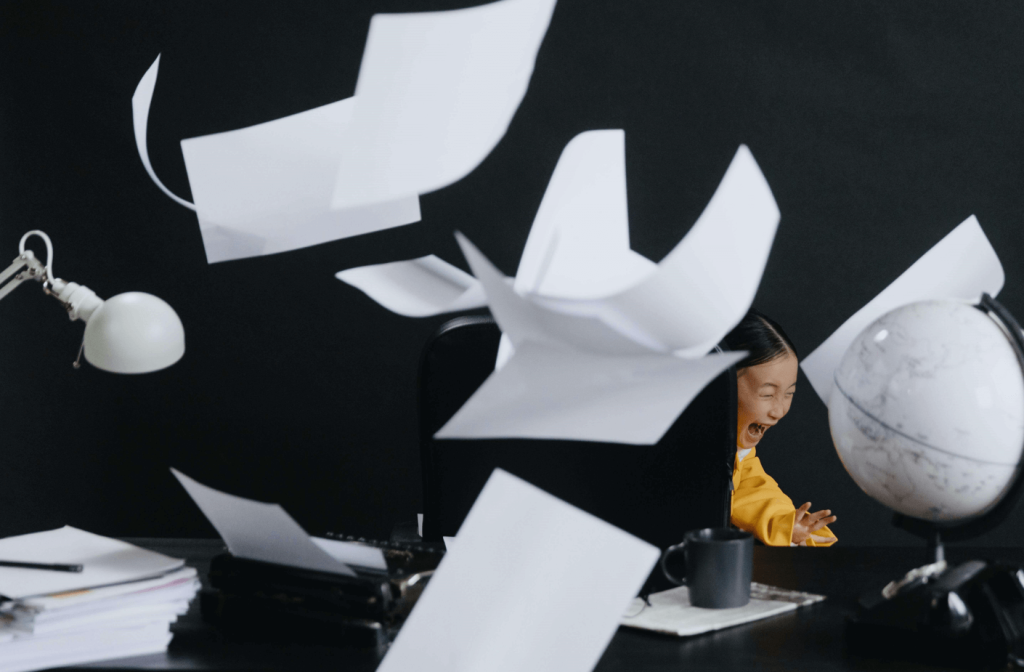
(969, 616)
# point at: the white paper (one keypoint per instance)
(699, 292)
(418, 287)
(34, 652)
(105, 561)
(141, 101)
(259, 531)
(448, 542)
(533, 584)
(30, 612)
(353, 553)
(963, 265)
(267, 188)
(670, 611)
(184, 576)
(166, 612)
(547, 392)
(176, 595)
(436, 92)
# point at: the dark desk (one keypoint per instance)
(809, 639)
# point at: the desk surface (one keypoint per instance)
(810, 638)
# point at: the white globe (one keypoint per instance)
(927, 411)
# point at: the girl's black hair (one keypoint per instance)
(761, 336)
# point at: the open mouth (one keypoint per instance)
(756, 430)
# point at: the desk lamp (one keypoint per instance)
(132, 332)
(927, 415)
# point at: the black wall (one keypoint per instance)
(880, 126)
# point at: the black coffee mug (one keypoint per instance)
(719, 562)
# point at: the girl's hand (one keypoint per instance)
(806, 524)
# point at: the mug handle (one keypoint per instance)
(678, 580)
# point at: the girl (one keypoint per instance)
(765, 384)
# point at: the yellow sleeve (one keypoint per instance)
(760, 507)
(823, 532)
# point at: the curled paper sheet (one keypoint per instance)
(963, 265)
(417, 288)
(532, 584)
(686, 305)
(267, 188)
(697, 295)
(436, 93)
(141, 101)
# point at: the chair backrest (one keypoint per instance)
(654, 492)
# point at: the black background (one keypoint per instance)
(879, 126)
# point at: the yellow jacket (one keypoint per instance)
(760, 507)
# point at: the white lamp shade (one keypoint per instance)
(134, 332)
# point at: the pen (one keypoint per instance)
(40, 565)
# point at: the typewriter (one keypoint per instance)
(252, 600)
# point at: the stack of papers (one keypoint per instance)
(671, 613)
(121, 604)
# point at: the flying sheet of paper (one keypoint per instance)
(549, 392)
(417, 288)
(532, 584)
(436, 92)
(963, 265)
(104, 561)
(267, 188)
(698, 293)
(265, 532)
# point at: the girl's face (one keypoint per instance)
(764, 393)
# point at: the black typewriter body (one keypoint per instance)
(250, 599)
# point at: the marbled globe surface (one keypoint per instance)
(927, 411)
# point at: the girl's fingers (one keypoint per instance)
(822, 523)
(817, 515)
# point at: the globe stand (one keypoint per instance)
(970, 615)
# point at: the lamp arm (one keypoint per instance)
(80, 302)
(33, 270)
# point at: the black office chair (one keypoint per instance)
(654, 492)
